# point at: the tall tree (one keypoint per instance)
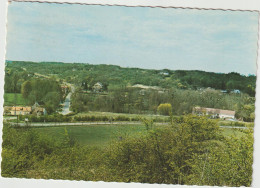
(26, 89)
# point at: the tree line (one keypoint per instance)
(110, 75)
(46, 91)
(138, 101)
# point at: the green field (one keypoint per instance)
(102, 135)
(94, 135)
(9, 99)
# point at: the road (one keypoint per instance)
(66, 104)
(51, 124)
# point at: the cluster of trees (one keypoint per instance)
(41, 90)
(165, 109)
(46, 91)
(175, 101)
(191, 150)
(14, 80)
(246, 112)
(230, 81)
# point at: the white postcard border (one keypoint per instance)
(249, 5)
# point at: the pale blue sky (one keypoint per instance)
(154, 38)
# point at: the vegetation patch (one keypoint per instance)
(190, 150)
(12, 99)
(236, 124)
(157, 141)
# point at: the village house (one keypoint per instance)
(21, 110)
(97, 87)
(38, 110)
(236, 91)
(164, 73)
(65, 88)
(214, 113)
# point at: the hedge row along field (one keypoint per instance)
(85, 118)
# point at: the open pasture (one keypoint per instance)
(93, 135)
(9, 99)
(102, 135)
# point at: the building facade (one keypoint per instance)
(21, 110)
(214, 113)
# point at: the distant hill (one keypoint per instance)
(113, 75)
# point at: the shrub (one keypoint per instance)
(165, 109)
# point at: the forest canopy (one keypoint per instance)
(88, 74)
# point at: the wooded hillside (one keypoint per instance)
(110, 75)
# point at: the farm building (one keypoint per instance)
(25, 110)
(38, 110)
(21, 110)
(214, 113)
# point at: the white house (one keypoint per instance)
(38, 110)
(97, 87)
(214, 113)
(237, 91)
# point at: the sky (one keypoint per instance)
(151, 38)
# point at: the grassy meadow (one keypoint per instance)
(93, 135)
(9, 99)
(103, 135)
